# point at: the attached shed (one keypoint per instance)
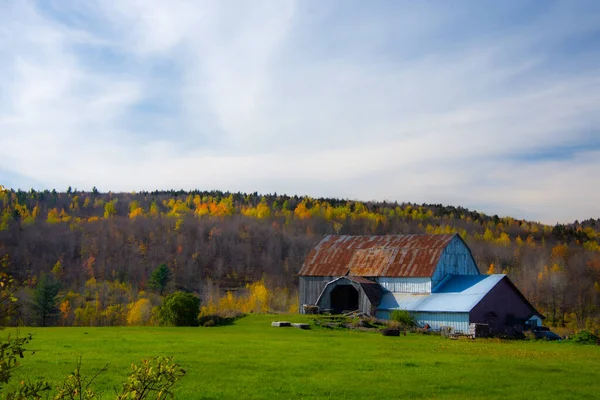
(462, 299)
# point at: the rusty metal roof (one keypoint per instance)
(390, 255)
(361, 281)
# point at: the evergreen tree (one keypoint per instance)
(45, 299)
(159, 279)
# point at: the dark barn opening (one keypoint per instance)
(344, 298)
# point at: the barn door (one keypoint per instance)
(344, 298)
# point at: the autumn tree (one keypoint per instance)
(140, 313)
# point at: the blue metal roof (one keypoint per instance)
(468, 284)
(457, 293)
(401, 301)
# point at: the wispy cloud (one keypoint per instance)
(492, 107)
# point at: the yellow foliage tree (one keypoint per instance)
(135, 210)
(263, 211)
(57, 270)
(153, 209)
(503, 240)
(109, 209)
(488, 236)
(258, 298)
(140, 313)
(560, 252)
(65, 310)
(53, 216)
(301, 212)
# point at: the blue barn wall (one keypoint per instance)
(436, 320)
(456, 259)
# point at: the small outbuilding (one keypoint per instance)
(434, 277)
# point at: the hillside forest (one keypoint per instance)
(91, 258)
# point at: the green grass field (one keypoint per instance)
(252, 360)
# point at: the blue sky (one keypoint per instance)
(493, 106)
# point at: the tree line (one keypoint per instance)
(101, 249)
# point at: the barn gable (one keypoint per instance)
(456, 259)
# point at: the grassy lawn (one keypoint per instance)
(251, 360)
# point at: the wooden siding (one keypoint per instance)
(405, 285)
(311, 287)
(456, 260)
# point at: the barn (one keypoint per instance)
(434, 277)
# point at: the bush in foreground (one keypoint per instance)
(154, 378)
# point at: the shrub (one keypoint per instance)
(219, 319)
(584, 337)
(180, 309)
(154, 377)
(403, 317)
(394, 324)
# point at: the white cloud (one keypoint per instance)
(302, 98)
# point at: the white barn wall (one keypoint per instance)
(405, 285)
